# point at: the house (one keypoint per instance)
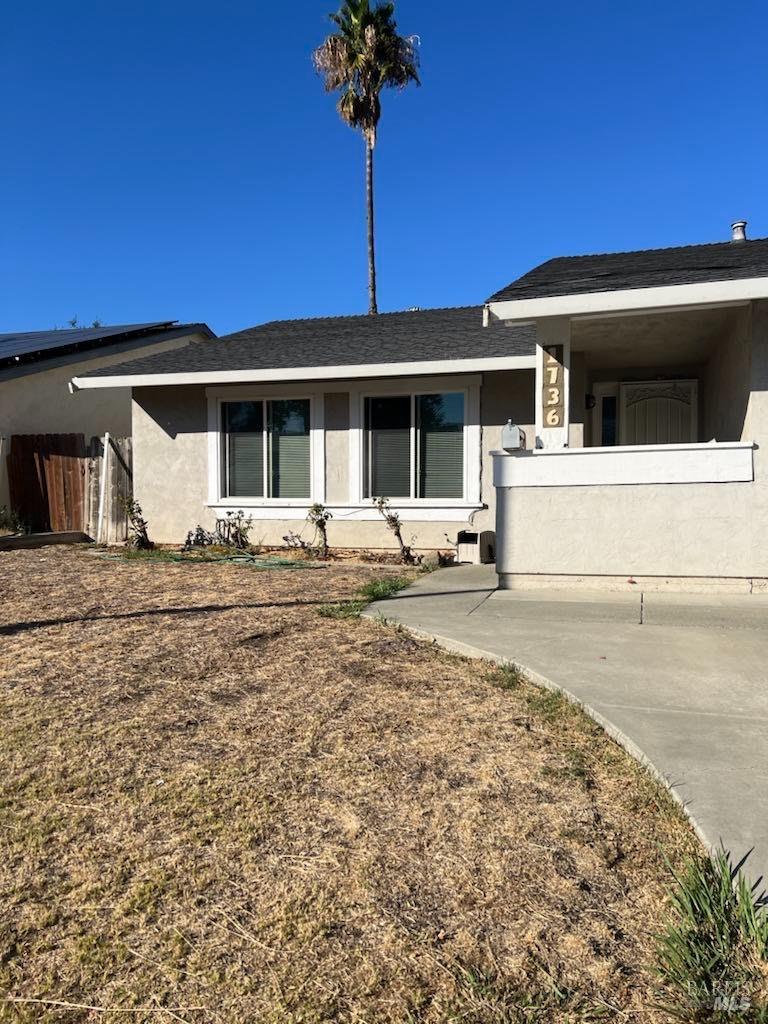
(35, 369)
(336, 410)
(639, 379)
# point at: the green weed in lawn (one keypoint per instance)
(550, 705)
(342, 610)
(383, 587)
(374, 590)
(713, 955)
(507, 676)
(485, 996)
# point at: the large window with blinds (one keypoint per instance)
(266, 448)
(414, 446)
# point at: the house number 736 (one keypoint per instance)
(554, 405)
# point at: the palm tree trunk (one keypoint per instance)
(372, 308)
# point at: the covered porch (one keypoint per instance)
(645, 464)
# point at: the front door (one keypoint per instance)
(646, 412)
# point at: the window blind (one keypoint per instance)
(244, 449)
(288, 442)
(388, 447)
(440, 425)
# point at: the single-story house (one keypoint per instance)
(640, 380)
(36, 367)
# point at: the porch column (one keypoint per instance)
(553, 363)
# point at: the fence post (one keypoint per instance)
(102, 486)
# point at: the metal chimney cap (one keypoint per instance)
(739, 231)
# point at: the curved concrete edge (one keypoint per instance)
(610, 729)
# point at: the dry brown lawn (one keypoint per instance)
(217, 805)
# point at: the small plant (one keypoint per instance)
(318, 516)
(199, 538)
(138, 526)
(233, 530)
(295, 541)
(712, 955)
(395, 524)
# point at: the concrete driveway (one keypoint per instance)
(680, 680)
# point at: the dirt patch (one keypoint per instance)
(218, 805)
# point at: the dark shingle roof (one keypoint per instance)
(647, 268)
(413, 336)
(30, 346)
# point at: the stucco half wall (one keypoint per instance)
(170, 454)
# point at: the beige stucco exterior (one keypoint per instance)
(170, 444)
(38, 401)
(669, 530)
(714, 530)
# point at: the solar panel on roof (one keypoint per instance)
(28, 343)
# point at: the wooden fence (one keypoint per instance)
(59, 483)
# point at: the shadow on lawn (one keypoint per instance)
(13, 628)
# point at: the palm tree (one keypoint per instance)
(363, 57)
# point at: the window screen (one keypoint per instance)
(434, 467)
(440, 425)
(266, 449)
(243, 429)
(288, 446)
(388, 447)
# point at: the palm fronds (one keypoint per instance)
(363, 57)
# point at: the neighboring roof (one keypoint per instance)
(646, 268)
(417, 336)
(18, 349)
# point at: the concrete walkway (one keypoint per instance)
(680, 680)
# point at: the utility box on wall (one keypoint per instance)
(475, 547)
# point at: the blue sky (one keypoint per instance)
(172, 159)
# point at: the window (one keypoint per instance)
(609, 420)
(266, 449)
(414, 446)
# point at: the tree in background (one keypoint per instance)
(363, 57)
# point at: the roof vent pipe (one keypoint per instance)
(739, 231)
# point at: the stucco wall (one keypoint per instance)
(727, 381)
(670, 530)
(635, 530)
(40, 402)
(336, 446)
(171, 465)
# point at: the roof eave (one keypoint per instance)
(306, 373)
(586, 304)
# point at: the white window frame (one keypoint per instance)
(469, 387)
(216, 492)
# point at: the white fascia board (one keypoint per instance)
(307, 373)
(711, 293)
